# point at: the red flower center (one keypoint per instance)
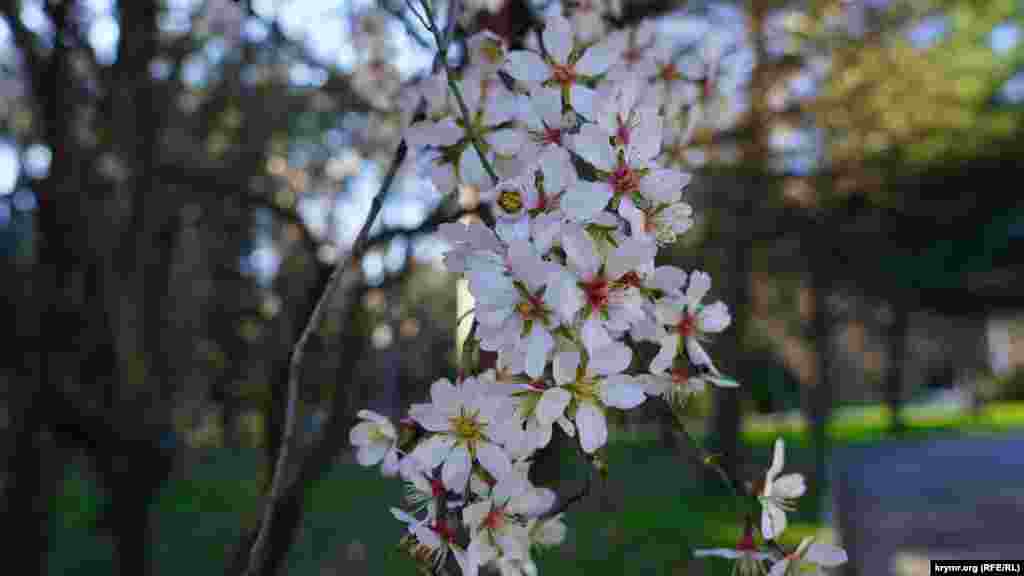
(669, 72)
(531, 307)
(624, 180)
(623, 133)
(631, 278)
(563, 74)
(538, 385)
(443, 530)
(746, 543)
(437, 488)
(552, 136)
(680, 376)
(632, 55)
(597, 292)
(495, 519)
(687, 326)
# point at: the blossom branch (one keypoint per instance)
(295, 364)
(442, 48)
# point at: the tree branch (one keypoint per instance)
(298, 352)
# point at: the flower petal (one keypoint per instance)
(826, 555)
(389, 467)
(584, 100)
(592, 144)
(557, 38)
(594, 335)
(538, 345)
(360, 433)
(527, 67)
(444, 394)
(506, 142)
(698, 287)
(789, 486)
(597, 59)
(432, 451)
(719, 552)
(773, 521)
(622, 392)
(669, 312)
(430, 417)
(643, 149)
(580, 252)
(663, 185)
(611, 359)
(713, 318)
(371, 454)
(779, 568)
(593, 427)
(668, 278)
(566, 425)
(632, 254)
(697, 355)
(471, 169)
(663, 360)
(778, 460)
(552, 405)
(373, 416)
(455, 473)
(564, 367)
(564, 295)
(493, 459)
(546, 104)
(584, 200)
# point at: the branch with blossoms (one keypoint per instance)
(566, 143)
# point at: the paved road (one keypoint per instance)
(939, 499)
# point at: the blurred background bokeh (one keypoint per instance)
(178, 179)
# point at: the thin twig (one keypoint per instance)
(572, 499)
(705, 458)
(583, 493)
(467, 349)
(298, 352)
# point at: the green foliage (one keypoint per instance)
(1010, 388)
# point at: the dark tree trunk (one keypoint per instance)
(32, 478)
(821, 395)
(726, 401)
(896, 361)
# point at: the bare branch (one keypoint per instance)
(298, 352)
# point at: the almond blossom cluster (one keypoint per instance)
(564, 142)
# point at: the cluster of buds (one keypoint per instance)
(565, 143)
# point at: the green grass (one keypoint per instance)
(657, 515)
(871, 423)
(652, 514)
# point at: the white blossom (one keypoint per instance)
(562, 66)
(810, 554)
(594, 387)
(687, 322)
(376, 438)
(467, 426)
(778, 494)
